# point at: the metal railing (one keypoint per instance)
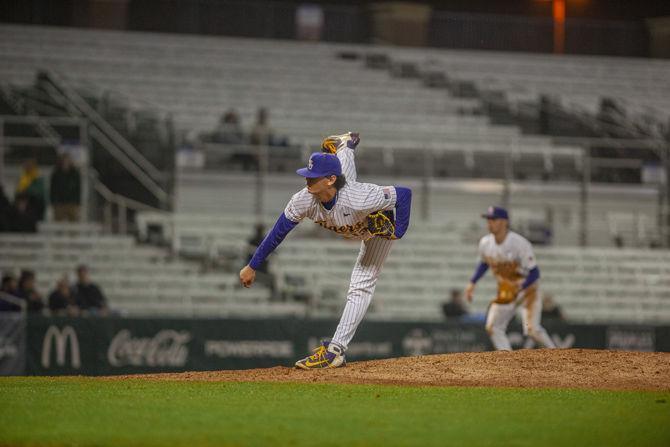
(113, 201)
(23, 108)
(122, 150)
(392, 162)
(122, 204)
(11, 299)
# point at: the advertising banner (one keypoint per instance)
(12, 343)
(109, 346)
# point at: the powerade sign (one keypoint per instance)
(107, 346)
(249, 349)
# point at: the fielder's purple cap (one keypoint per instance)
(496, 212)
(321, 165)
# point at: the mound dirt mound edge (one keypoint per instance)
(538, 368)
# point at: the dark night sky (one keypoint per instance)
(61, 11)
(592, 9)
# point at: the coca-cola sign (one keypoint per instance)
(167, 348)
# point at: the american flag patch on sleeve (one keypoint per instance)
(387, 193)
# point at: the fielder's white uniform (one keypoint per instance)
(348, 217)
(510, 262)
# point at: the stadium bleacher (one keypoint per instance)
(137, 280)
(613, 209)
(310, 93)
(592, 285)
(196, 78)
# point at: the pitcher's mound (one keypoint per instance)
(539, 368)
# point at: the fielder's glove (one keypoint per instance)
(382, 224)
(333, 143)
(508, 291)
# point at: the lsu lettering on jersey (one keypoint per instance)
(349, 216)
(510, 262)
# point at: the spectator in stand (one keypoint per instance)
(229, 130)
(617, 240)
(9, 284)
(18, 217)
(65, 190)
(89, 296)
(454, 308)
(23, 216)
(9, 288)
(62, 301)
(6, 211)
(28, 291)
(261, 133)
(31, 185)
(550, 309)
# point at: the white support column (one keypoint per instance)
(84, 170)
(2, 152)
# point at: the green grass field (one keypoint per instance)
(85, 411)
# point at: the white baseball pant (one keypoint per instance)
(499, 316)
(368, 266)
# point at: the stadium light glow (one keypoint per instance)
(559, 26)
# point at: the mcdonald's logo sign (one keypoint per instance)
(60, 338)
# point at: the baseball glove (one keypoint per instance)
(507, 292)
(331, 144)
(382, 224)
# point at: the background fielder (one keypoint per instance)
(337, 202)
(510, 257)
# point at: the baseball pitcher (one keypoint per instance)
(510, 257)
(375, 215)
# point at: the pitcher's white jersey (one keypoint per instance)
(348, 217)
(346, 156)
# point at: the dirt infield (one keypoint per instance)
(541, 368)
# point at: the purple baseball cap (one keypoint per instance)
(496, 212)
(321, 165)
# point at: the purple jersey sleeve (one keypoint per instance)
(533, 275)
(281, 228)
(403, 208)
(479, 272)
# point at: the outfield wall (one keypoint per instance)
(92, 346)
